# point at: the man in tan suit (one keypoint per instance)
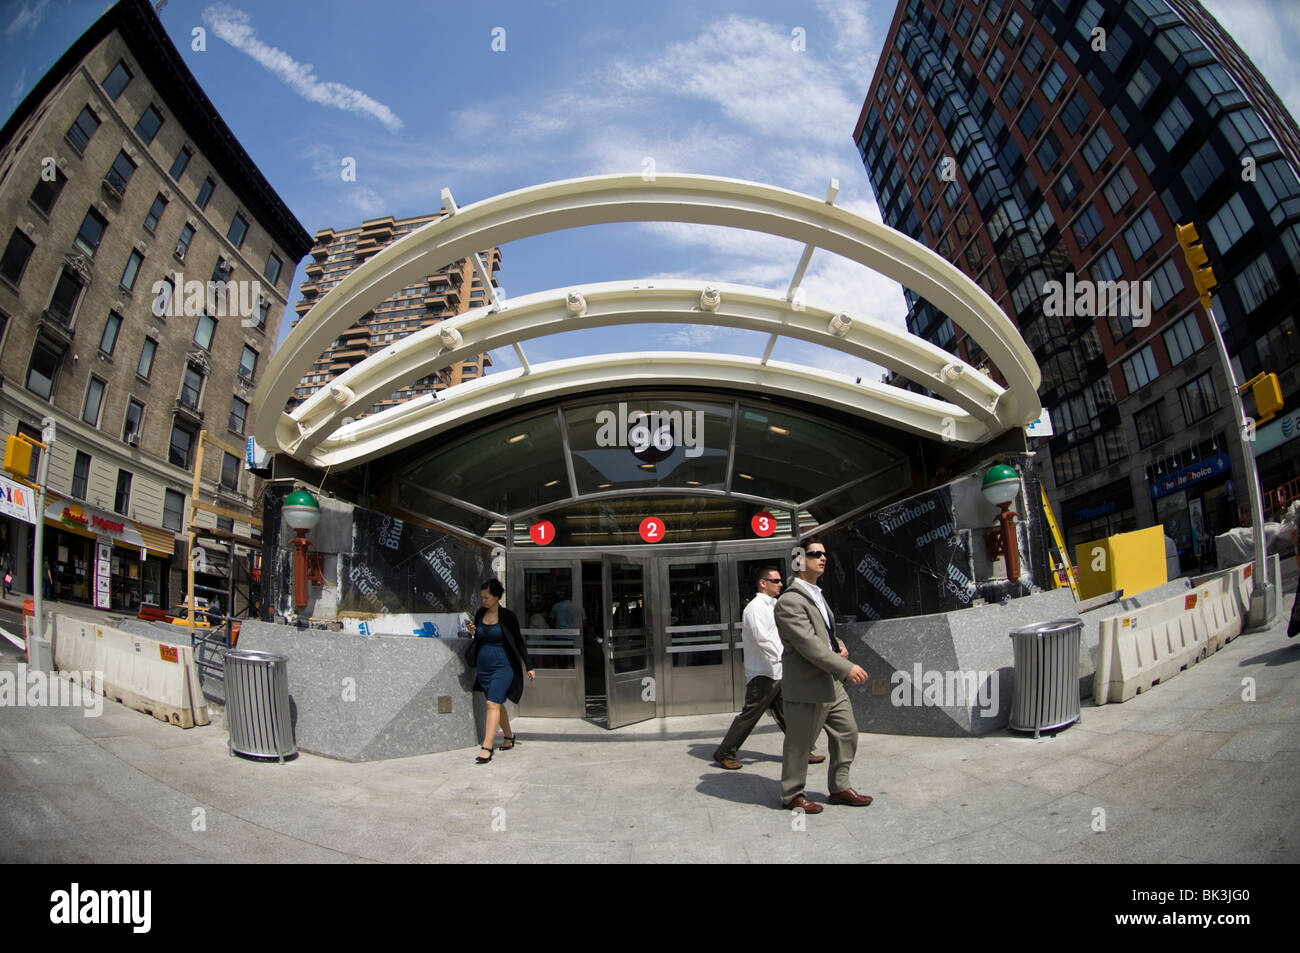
(814, 666)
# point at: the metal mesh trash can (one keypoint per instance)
(257, 704)
(1046, 690)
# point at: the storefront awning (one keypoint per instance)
(73, 517)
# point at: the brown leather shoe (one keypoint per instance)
(731, 764)
(816, 758)
(850, 797)
(803, 804)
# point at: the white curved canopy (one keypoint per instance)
(974, 409)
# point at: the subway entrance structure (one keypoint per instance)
(628, 499)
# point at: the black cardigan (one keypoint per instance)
(517, 649)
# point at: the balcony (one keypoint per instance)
(314, 270)
(114, 186)
(309, 289)
(186, 408)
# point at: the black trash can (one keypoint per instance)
(257, 704)
(1046, 690)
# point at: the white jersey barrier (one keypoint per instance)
(144, 674)
(1140, 649)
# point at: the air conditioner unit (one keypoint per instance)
(179, 254)
(133, 439)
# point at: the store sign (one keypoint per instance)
(17, 501)
(88, 520)
(1276, 433)
(1208, 468)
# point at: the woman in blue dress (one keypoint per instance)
(500, 658)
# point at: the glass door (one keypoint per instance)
(548, 596)
(631, 684)
(699, 665)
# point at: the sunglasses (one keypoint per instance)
(817, 554)
(775, 581)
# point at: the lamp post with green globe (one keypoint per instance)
(1001, 487)
(302, 513)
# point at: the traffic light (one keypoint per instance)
(1268, 396)
(18, 457)
(1198, 261)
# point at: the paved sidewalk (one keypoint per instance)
(1188, 772)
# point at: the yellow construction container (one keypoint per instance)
(1133, 562)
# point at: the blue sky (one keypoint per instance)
(415, 93)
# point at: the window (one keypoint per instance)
(17, 253)
(263, 310)
(155, 212)
(1144, 83)
(204, 328)
(145, 365)
(1150, 427)
(180, 162)
(120, 173)
(1140, 369)
(91, 232)
(173, 511)
(238, 414)
(1106, 267)
(80, 475)
(79, 132)
(1257, 282)
(1202, 170)
(225, 524)
(150, 122)
(63, 304)
(1199, 399)
(1229, 223)
(205, 193)
(230, 471)
(1033, 54)
(1053, 82)
(183, 243)
(272, 270)
(40, 372)
(122, 496)
(1012, 91)
(1183, 340)
(1097, 148)
(108, 339)
(979, 42)
(1120, 189)
(134, 420)
(47, 192)
(1173, 122)
(962, 25)
(1049, 151)
(132, 269)
(93, 402)
(178, 452)
(238, 229)
(1142, 234)
(1087, 226)
(247, 362)
(1074, 113)
(997, 63)
(1030, 120)
(117, 80)
(191, 386)
(1166, 282)
(1011, 32)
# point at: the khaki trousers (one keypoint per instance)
(803, 722)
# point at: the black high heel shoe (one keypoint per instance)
(511, 741)
(482, 760)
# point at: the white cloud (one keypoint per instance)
(19, 87)
(236, 28)
(28, 17)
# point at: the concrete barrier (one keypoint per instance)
(1143, 647)
(144, 674)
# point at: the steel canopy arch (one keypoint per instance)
(985, 409)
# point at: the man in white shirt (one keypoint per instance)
(763, 650)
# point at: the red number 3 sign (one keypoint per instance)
(763, 524)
